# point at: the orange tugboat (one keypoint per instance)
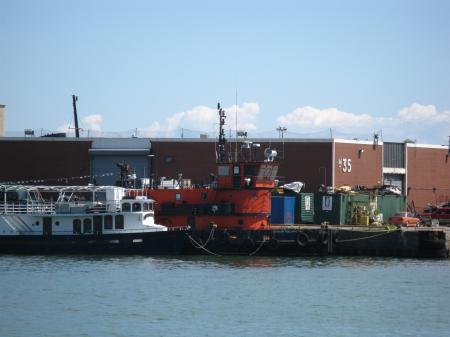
(237, 197)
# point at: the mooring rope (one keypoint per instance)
(368, 237)
(259, 247)
(199, 246)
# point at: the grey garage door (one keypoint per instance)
(104, 167)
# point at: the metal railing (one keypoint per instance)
(27, 208)
(57, 207)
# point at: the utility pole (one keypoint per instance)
(75, 115)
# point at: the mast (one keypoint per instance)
(222, 139)
(75, 115)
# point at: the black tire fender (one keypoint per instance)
(302, 239)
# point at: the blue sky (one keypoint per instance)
(355, 67)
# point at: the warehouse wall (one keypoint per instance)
(358, 163)
(193, 158)
(428, 176)
(305, 161)
(49, 159)
(309, 162)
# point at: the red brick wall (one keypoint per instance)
(44, 159)
(366, 166)
(298, 161)
(195, 160)
(306, 162)
(428, 176)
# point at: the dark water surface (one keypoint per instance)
(205, 296)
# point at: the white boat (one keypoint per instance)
(81, 219)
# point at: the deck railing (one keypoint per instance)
(27, 208)
(57, 207)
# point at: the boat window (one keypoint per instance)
(119, 221)
(76, 226)
(100, 196)
(236, 169)
(146, 206)
(204, 196)
(223, 170)
(126, 207)
(251, 170)
(108, 222)
(177, 196)
(137, 207)
(87, 226)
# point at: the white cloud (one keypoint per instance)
(423, 123)
(313, 118)
(92, 122)
(424, 113)
(203, 119)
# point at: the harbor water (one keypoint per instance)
(218, 296)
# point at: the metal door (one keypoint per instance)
(98, 224)
(47, 226)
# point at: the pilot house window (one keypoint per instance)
(223, 171)
(126, 207)
(136, 207)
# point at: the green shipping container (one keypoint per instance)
(331, 208)
(391, 204)
(306, 209)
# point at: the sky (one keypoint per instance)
(346, 69)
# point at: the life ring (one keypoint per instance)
(273, 244)
(302, 239)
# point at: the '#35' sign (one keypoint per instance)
(345, 165)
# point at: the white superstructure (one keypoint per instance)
(73, 210)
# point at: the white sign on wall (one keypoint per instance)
(307, 203)
(345, 165)
(327, 203)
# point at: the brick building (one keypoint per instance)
(422, 172)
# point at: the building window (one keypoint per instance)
(108, 222)
(136, 207)
(87, 226)
(76, 226)
(119, 221)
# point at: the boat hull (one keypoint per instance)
(151, 243)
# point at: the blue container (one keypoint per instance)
(283, 210)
